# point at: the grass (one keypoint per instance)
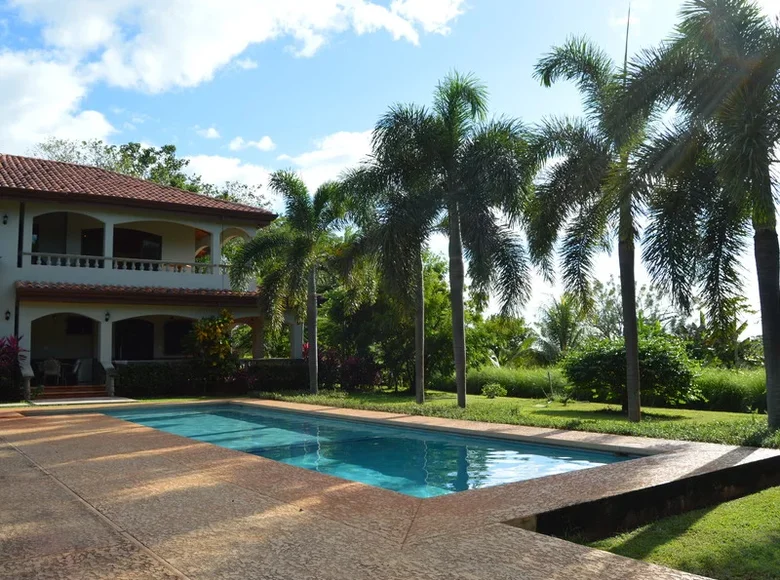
(685, 424)
(737, 540)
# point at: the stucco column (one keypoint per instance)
(296, 340)
(258, 338)
(27, 239)
(216, 249)
(108, 243)
(105, 353)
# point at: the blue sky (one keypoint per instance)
(243, 87)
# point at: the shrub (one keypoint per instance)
(161, 379)
(530, 383)
(731, 390)
(273, 374)
(493, 390)
(597, 371)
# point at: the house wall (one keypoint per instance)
(9, 236)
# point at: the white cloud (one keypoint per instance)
(32, 110)
(218, 169)
(330, 157)
(131, 44)
(245, 63)
(433, 15)
(210, 133)
(265, 143)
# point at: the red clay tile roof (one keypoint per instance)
(54, 180)
(68, 292)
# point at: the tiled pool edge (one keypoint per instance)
(430, 550)
(581, 499)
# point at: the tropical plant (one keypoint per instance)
(721, 70)
(288, 255)
(209, 343)
(470, 174)
(561, 327)
(587, 187)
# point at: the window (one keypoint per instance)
(175, 332)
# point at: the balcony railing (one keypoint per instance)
(132, 264)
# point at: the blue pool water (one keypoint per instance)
(410, 461)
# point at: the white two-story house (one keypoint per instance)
(98, 268)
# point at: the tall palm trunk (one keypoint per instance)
(628, 298)
(768, 269)
(311, 324)
(419, 332)
(456, 300)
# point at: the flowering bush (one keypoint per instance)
(350, 373)
(11, 354)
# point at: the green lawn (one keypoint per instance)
(710, 426)
(737, 540)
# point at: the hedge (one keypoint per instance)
(529, 383)
(731, 390)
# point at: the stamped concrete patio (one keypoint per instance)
(92, 496)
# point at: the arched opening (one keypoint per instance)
(147, 338)
(63, 349)
(67, 239)
(155, 241)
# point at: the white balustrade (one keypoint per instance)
(133, 264)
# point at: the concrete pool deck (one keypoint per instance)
(91, 496)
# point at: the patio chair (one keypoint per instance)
(52, 368)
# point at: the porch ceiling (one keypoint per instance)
(65, 292)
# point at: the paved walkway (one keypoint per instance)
(93, 497)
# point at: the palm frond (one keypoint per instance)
(495, 169)
(581, 61)
(254, 254)
(497, 260)
(297, 202)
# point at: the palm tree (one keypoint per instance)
(288, 256)
(395, 225)
(721, 69)
(561, 327)
(587, 187)
(473, 173)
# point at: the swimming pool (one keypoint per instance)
(410, 461)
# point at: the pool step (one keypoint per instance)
(72, 391)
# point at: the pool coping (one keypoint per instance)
(669, 477)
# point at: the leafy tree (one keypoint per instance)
(158, 164)
(386, 201)
(561, 328)
(288, 256)
(382, 328)
(587, 187)
(721, 69)
(473, 175)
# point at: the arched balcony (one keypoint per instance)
(139, 252)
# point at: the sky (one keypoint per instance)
(244, 87)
